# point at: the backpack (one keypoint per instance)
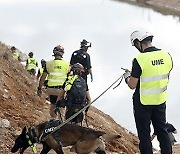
(77, 94)
(79, 57)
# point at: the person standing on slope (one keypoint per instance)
(56, 70)
(81, 56)
(15, 53)
(149, 77)
(40, 72)
(31, 64)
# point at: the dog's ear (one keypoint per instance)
(24, 130)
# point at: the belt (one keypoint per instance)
(56, 87)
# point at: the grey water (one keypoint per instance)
(38, 26)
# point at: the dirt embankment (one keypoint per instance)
(20, 106)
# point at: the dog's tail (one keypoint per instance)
(110, 137)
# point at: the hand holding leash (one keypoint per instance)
(126, 75)
(126, 70)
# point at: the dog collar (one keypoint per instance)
(33, 147)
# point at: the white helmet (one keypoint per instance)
(140, 35)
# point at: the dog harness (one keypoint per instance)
(49, 128)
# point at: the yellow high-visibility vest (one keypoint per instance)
(155, 67)
(57, 72)
(41, 70)
(70, 82)
(15, 55)
(31, 63)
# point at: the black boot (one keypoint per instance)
(100, 152)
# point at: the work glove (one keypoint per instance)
(91, 78)
(126, 75)
(39, 92)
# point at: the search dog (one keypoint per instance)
(83, 140)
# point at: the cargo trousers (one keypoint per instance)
(145, 115)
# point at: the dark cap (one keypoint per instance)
(85, 43)
(31, 54)
(43, 61)
(13, 48)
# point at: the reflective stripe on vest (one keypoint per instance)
(153, 78)
(31, 63)
(155, 68)
(153, 91)
(57, 72)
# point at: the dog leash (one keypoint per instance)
(83, 109)
(119, 82)
(86, 120)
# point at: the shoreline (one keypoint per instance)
(164, 7)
